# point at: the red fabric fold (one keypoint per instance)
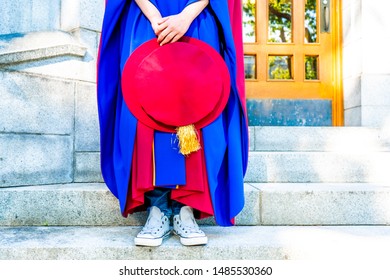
(142, 169)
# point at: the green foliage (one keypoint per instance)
(311, 68)
(280, 67)
(311, 21)
(280, 20)
(249, 9)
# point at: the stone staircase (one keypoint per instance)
(311, 193)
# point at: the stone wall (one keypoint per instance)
(23, 16)
(48, 115)
(83, 18)
(366, 63)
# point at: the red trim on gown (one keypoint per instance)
(196, 191)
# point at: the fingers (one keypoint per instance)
(157, 30)
(166, 34)
(162, 20)
(176, 38)
(160, 25)
(169, 38)
(170, 29)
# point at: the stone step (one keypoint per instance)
(324, 204)
(266, 204)
(256, 242)
(318, 167)
(85, 205)
(58, 154)
(16, 49)
(318, 139)
(51, 164)
(50, 54)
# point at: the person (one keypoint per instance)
(140, 165)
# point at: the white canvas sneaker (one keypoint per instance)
(155, 230)
(185, 226)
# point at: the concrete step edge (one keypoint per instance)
(267, 243)
(270, 138)
(318, 167)
(265, 204)
(39, 46)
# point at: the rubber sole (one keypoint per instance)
(193, 241)
(150, 242)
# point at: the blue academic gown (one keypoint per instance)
(225, 139)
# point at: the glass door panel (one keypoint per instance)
(311, 21)
(280, 21)
(249, 21)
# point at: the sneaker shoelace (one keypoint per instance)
(152, 226)
(191, 226)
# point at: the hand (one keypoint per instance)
(155, 23)
(172, 28)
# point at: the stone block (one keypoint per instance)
(91, 14)
(90, 39)
(9, 23)
(251, 214)
(352, 21)
(32, 104)
(320, 139)
(347, 22)
(63, 205)
(352, 92)
(352, 59)
(70, 15)
(87, 122)
(375, 18)
(45, 15)
(251, 138)
(325, 204)
(375, 90)
(87, 167)
(385, 132)
(375, 116)
(318, 167)
(27, 159)
(353, 116)
(86, 14)
(373, 60)
(25, 16)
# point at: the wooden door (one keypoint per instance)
(292, 51)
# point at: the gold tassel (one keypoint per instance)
(188, 139)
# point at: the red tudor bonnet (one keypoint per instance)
(178, 85)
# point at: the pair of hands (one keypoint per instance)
(170, 29)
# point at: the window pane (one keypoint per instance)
(250, 66)
(280, 67)
(280, 21)
(311, 67)
(311, 21)
(249, 21)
